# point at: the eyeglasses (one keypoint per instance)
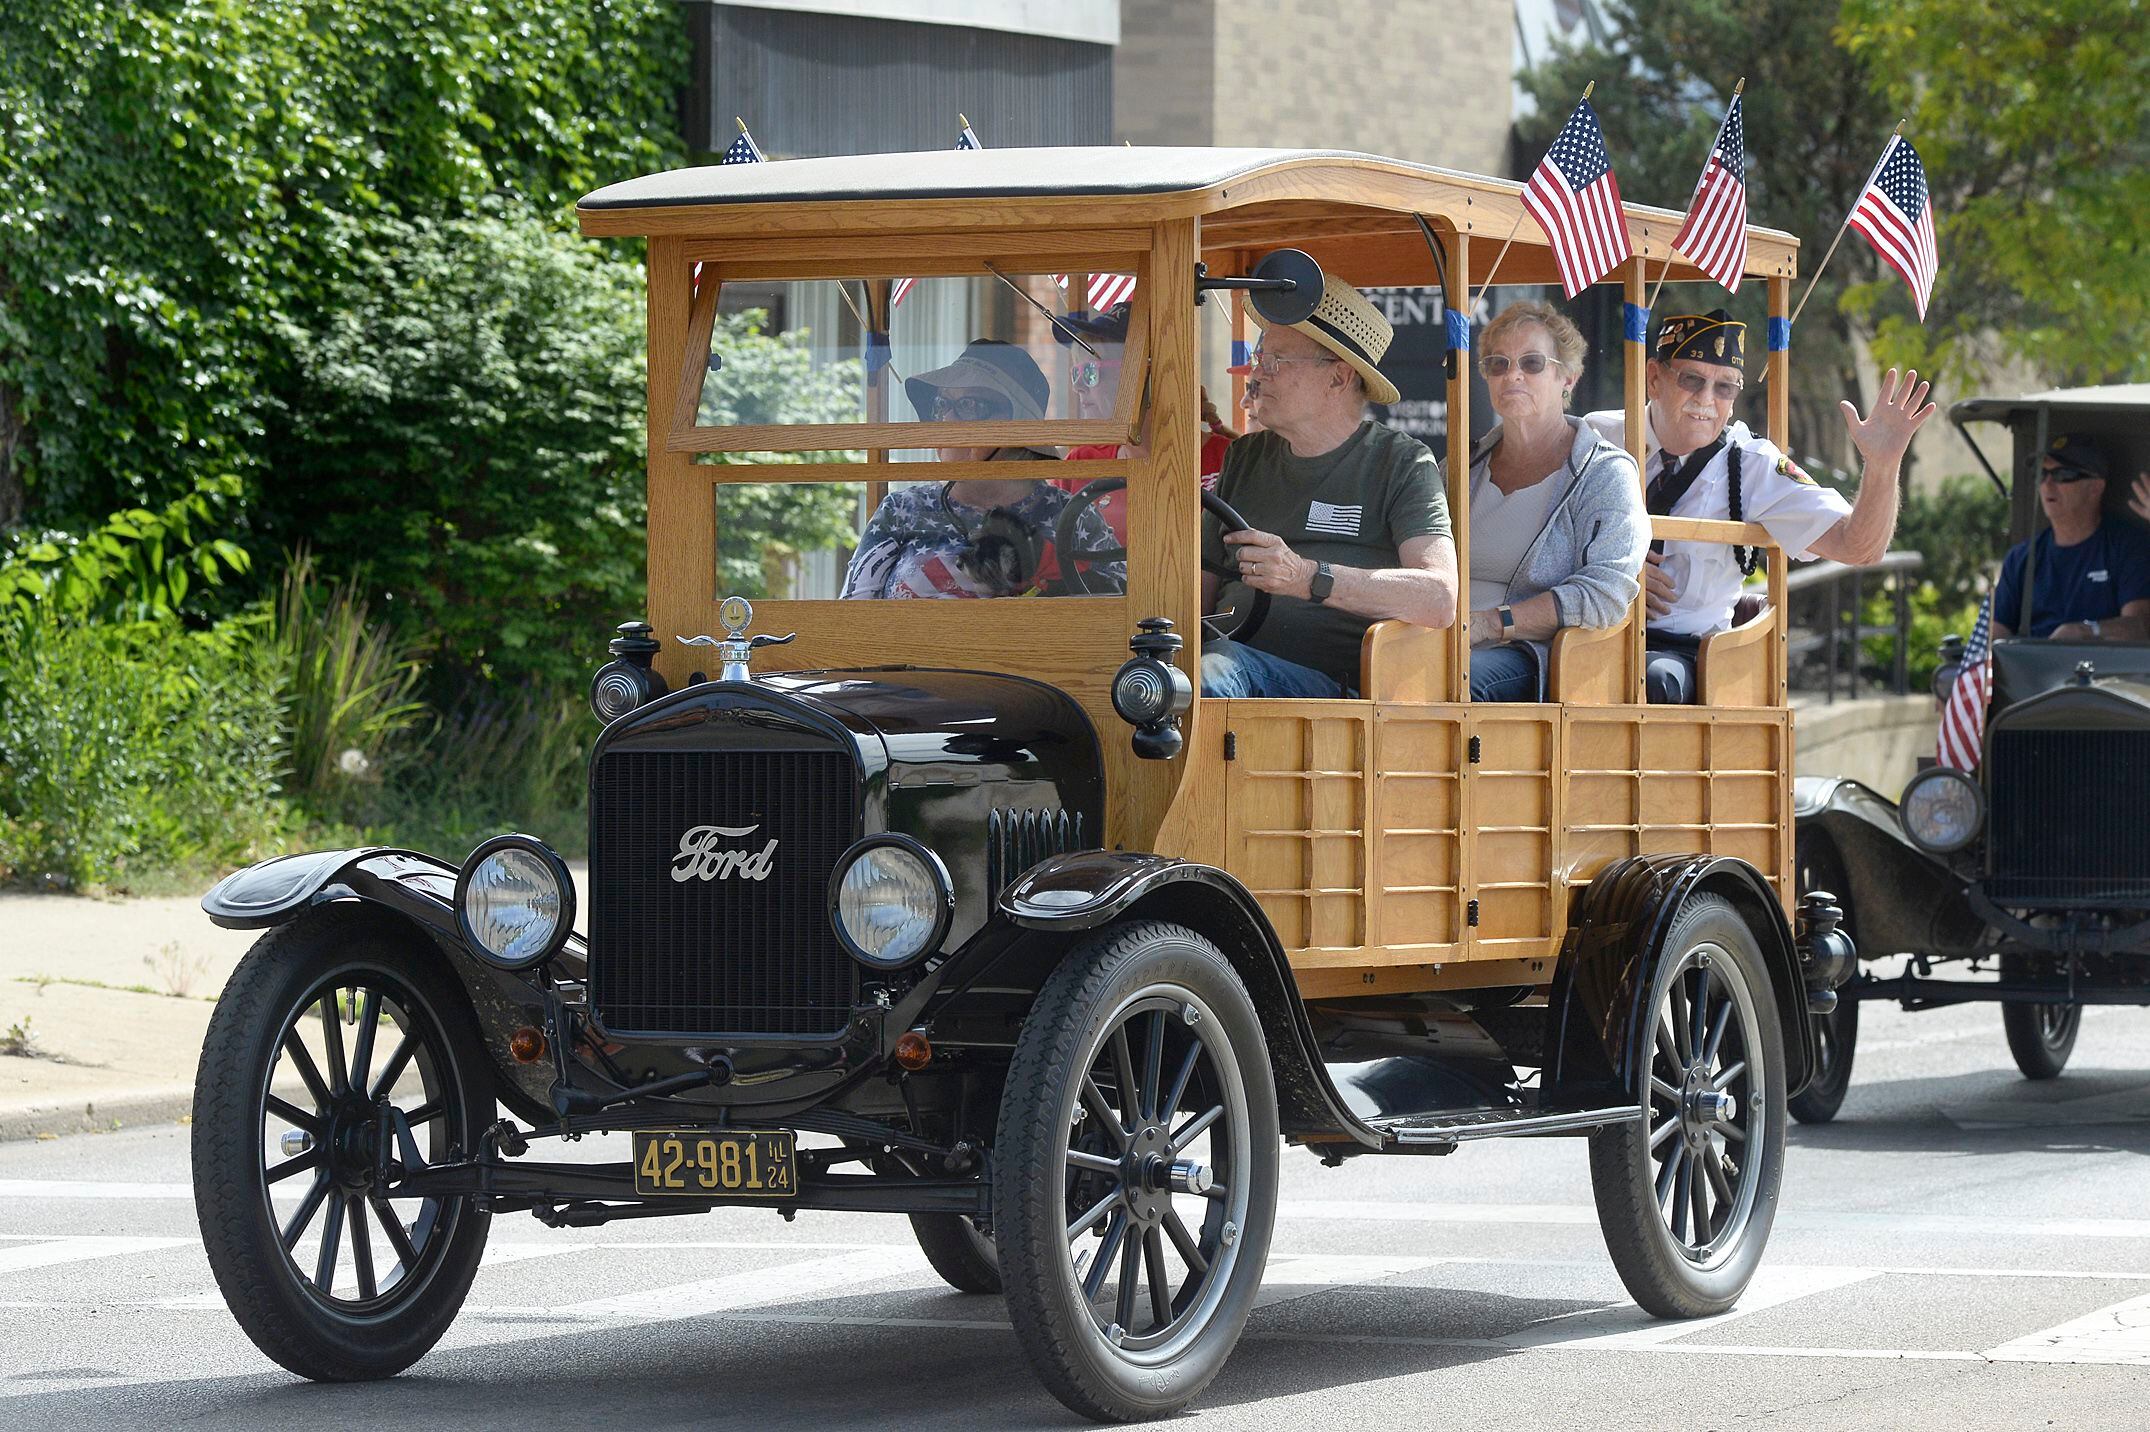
(1724, 390)
(2064, 475)
(970, 410)
(1090, 373)
(1267, 364)
(1496, 365)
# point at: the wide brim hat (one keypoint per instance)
(1349, 326)
(1001, 367)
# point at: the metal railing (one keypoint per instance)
(1826, 630)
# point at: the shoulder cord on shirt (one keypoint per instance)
(1748, 558)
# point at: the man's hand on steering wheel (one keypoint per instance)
(1268, 565)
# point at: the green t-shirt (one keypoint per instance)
(1353, 506)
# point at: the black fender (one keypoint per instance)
(1088, 889)
(1902, 900)
(1598, 1033)
(418, 891)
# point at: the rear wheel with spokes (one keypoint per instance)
(1135, 1172)
(2040, 1036)
(328, 1025)
(1686, 1195)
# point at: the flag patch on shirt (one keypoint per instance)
(1336, 520)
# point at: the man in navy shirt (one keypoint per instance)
(2091, 580)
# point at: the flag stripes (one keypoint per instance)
(1714, 235)
(1575, 198)
(1895, 213)
(1963, 718)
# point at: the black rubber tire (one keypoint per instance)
(1658, 1273)
(964, 1257)
(1115, 969)
(1836, 1043)
(274, 1301)
(1836, 1034)
(2040, 1036)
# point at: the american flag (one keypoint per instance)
(1715, 234)
(966, 138)
(1576, 200)
(743, 151)
(1897, 216)
(1963, 716)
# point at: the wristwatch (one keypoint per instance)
(1321, 583)
(1507, 621)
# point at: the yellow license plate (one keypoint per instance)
(756, 1163)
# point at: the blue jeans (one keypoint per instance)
(1670, 673)
(1508, 672)
(1229, 669)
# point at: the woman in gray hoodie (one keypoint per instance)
(1558, 528)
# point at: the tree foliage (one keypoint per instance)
(2033, 119)
(182, 180)
(1815, 122)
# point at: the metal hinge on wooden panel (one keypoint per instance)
(1470, 910)
(1231, 745)
(1476, 750)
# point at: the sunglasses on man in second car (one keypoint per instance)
(970, 410)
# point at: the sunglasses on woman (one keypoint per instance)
(1496, 365)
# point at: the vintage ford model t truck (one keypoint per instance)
(975, 910)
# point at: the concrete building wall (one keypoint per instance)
(1427, 80)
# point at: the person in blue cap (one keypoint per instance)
(1698, 462)
(2091, 575)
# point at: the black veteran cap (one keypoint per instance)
(2073, 452)
(1711, 337)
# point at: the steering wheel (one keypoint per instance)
(1071, 559)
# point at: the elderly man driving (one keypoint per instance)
(1350, 523)
(2091, 581)
(1700, 463)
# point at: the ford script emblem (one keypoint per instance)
(702, 858)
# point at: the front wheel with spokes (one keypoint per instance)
(330, 1028)
(1687, 1193)
(1135, 1171)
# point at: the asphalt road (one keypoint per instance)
(1963, 1249)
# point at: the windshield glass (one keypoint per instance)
(1031, 348)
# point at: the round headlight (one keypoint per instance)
(891, 901)
(515, 901)
(1942, 810)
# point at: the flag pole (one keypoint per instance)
(1487, 282)
(1738, 89)
(1894, 135)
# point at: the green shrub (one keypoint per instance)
(351, 684)
(133, 751)
(488, 766)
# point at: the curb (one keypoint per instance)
(33, 1118)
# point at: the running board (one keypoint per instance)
(1460, 1126)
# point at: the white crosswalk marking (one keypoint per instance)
(757, 1287)
(77, 1249)
(1627, 1326)
(2118, 1334)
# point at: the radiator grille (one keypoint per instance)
(2067, 820)
(730, 955)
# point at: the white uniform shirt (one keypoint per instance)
(1705, 575)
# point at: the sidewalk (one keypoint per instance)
(106, 1055)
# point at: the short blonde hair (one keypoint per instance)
(1568, 346)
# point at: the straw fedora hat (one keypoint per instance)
(1351, 328)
